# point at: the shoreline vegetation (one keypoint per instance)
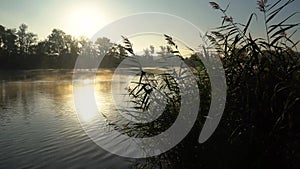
(260, 126)
(21, 50)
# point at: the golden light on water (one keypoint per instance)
(88, 81)
(93, 96)
(86, 108)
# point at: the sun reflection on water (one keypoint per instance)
(86, 108)
(93, 96)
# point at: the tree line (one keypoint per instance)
(21, 49)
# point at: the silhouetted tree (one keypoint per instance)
(8, 39)
(103, 45)
(20, 49)
(71, 45)
(25, 40)
(56, 42)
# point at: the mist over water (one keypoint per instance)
(39, 126)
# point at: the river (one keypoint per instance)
(40, 128)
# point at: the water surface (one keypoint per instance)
(39, 126)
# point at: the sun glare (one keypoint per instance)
(84, 21)
(84, 102)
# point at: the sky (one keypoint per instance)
(86, 17)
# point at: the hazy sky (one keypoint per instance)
(87, 17)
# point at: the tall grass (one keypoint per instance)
(262, 73)
(260, 127)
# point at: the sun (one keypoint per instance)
(84, 21)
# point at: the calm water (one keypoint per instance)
(39, 127)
